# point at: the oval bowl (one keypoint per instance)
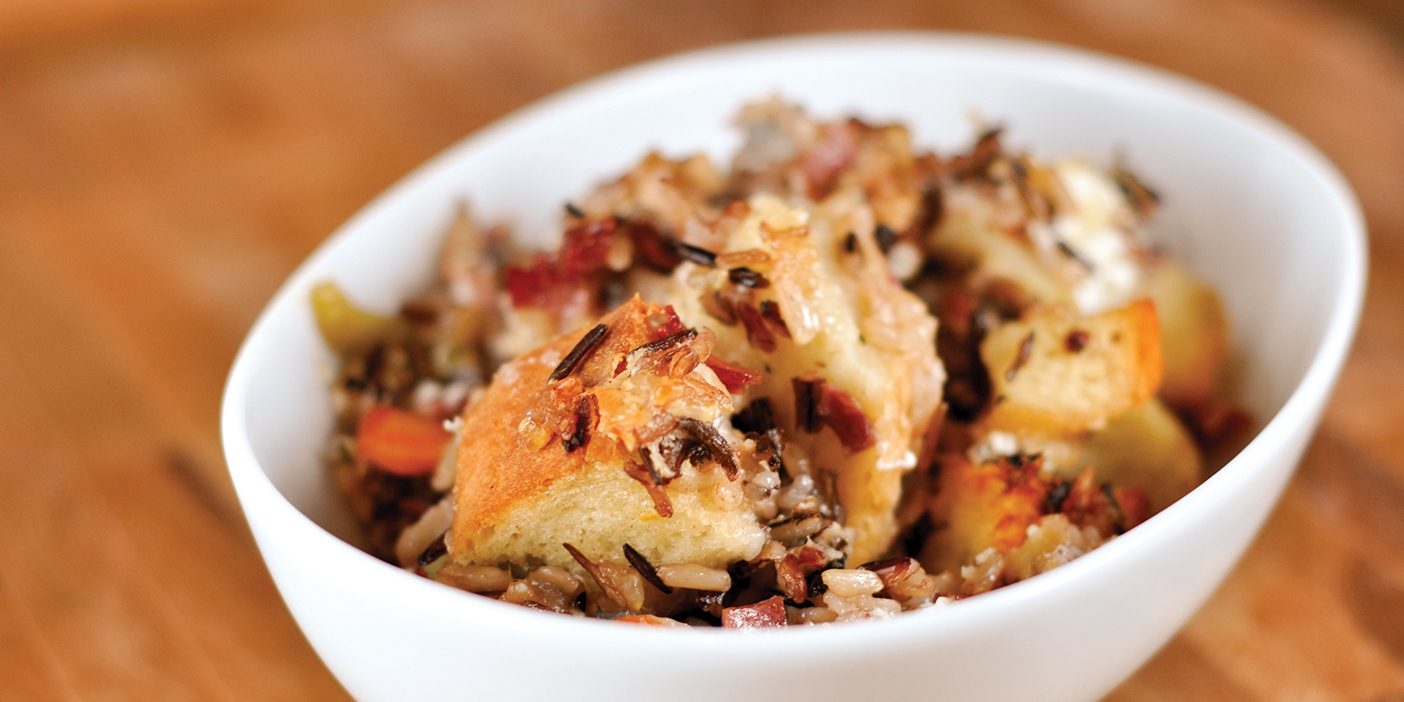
(1250, 206)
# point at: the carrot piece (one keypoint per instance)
(399, 441)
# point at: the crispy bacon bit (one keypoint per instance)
(770, 312)
(580, 351)
(806, 404)
(719, 307)
(735, 378)
(651, 481)
(811, 557)
(607, 585)
(652, 248)
(892, 569)
(1020, 357)
(789, 577)
(697, 254)
(645, 569)
(713, 442)
(667, 326)
(533, 284)
(1076, 341)
(758, 333)
(818, 405)
(585, 247)
(747, 278)
(840, 412)
(574, 211)
(766, 614)
(1133, 504)
(885, 237)
(550, 281)
(587, 416)
(833, 152)
(904, 580)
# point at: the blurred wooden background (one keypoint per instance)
(165, 163)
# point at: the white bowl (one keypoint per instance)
(1249, 205)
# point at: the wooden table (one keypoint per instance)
(165, 163)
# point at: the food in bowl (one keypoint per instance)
(841, 379)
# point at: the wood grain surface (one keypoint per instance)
(164, 164)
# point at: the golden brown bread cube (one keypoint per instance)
(548, 458)
(1146, 448)
(1052, 373)
(841, 320)
(1194, 330)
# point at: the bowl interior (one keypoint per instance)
(1247, 205)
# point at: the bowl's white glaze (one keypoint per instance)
(1249, 205)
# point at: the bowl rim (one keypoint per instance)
(1297, 411)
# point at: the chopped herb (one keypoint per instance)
(574, 211)
(587, 415)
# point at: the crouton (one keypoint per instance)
(592, 440)
(1054, 373)
(850, 356)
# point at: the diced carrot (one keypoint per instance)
(399, 441)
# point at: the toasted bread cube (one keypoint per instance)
(529, 480)
(1146, 448)
(844, 322)
(986, 505)
(1194, 330)
(1052, 373)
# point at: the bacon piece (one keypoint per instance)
(735, 378)
(652, 482)
(585, 247)
(766, 614)
(758, 332)
(819, 405)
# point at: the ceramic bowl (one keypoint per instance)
(1249, 206)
